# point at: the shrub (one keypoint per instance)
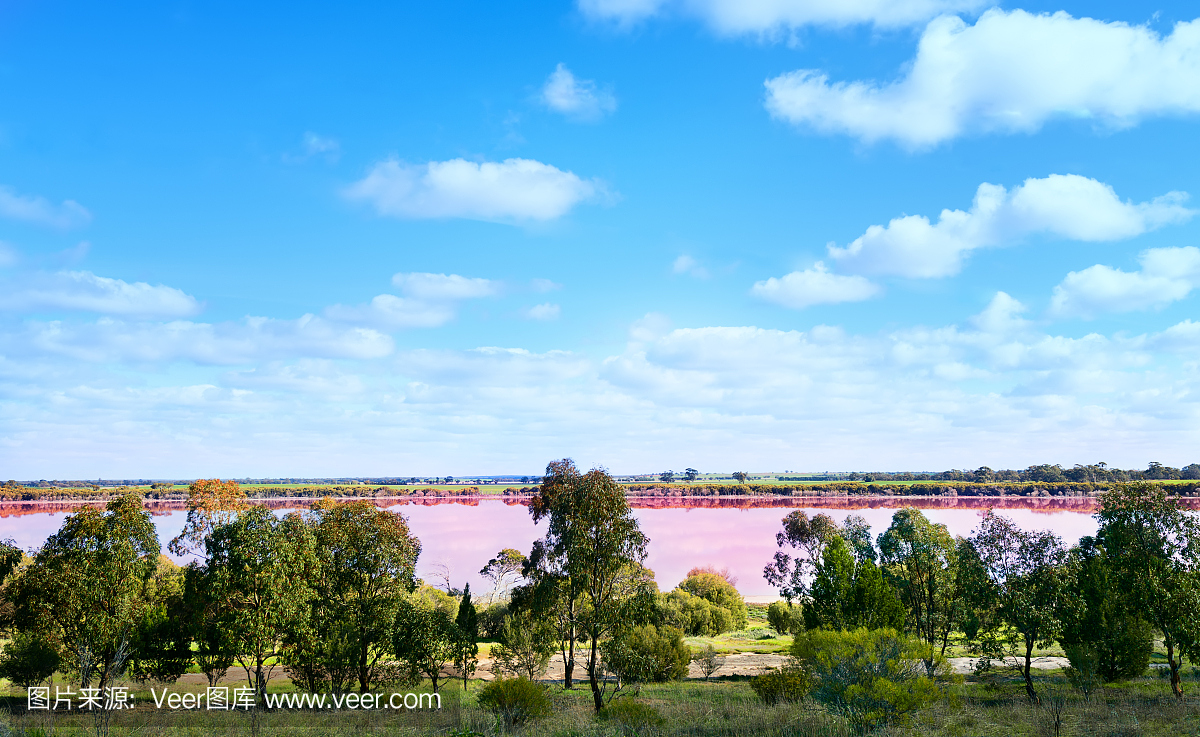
(515, 700)
(781, 686)
(785, 618)
(719, 592)
(708, 660)
(872, 677)
(1083, 672)
(647, 653)
(695, 615)
(28, 660)
(633, 717)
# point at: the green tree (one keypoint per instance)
(919, 559)
(1098, 622)
(646, 654)
(1153, 546)
(425, 639)
(162, 643)
(28, 659)
(807, 537)
(503, 571)
(467, 649)
(593, 538)
(847, 594)
(785, 617)
(526, 644)
(201, 611)
(86, 589)
(366, 559)
(1021, 582)
(718, 591)
(260, 569)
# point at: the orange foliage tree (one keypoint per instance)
(210, 502)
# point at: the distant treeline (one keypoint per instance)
(1042, 473)
(13, 491)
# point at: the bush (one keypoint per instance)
(781, 686)
(527, 643)
(785, 618)
(28, 660)
(1083, 672)
(647, 653)
(694, 615)
(515, 700)
(718, 592)
(871, 677)
(634, 717)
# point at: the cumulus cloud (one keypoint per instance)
(1010, 72)
(576, 98)
(68, 214)
(685, 264)
(543, 312)
(1065, 206)
(768, 16)
(429, 301)
(510, 190)
(1167, 275)
(815, 286)
(84, 291)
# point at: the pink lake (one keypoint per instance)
(684, 533)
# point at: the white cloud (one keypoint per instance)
(815, 286)
(685, 264)
(511, 190)
(576, 98)
(544, 311)
(1167, 275)
(437, 287)
(229, 343)
(315, 145)
(429, 301)
(1067, 206)
(768, 16)
(651, 326)
(1010, 72)
(1001, 316)
(69, 214)
(84, 291)
(544, 285)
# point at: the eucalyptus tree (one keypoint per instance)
(920, 558)
(1019, 581)
(847, 593)
(260, 570)
(1153, 546)
(594, 541)
(792, 573)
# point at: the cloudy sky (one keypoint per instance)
(467, 238)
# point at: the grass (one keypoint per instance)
(721, 708)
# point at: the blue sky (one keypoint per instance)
(312, 240)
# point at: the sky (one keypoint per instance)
(377, 239)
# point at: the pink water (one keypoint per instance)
(738, 534)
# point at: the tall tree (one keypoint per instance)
(503, 571)
(919, 558)
(87, 589)
(260, 569)
(594, 539)
(848, 594)
(1153, 546)
(1021, 581)
(210, 502)
(467, 647)
(807, 537)
(425, 639)
(366, 562)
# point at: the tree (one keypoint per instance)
(1100, 629)
(425, 639)
(919, 558)
(366, 560)
(690, 474)
(740, 476)
(646, 654)
(1020, 581)
(466, 647)
(848, 595)
(526, 644)
(214, 650)
(807, 537)
(593, 538)
(260, 570)
(86, 589)
(785, 618)
(1153, 545)
(856, 531)
(28, 659)
(667, 477)
(210, 502)
(162, 643)
(504, 571)
(708, 660)
(719, 592)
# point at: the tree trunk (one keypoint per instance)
(596, 695)
(1027, 671)
(364, 677)
(1173, 664)
(569, 665)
